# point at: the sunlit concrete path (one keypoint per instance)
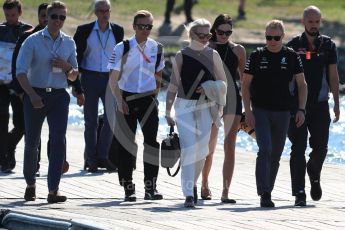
(97, 199)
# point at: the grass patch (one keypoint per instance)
(257, 10)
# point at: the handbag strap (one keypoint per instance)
(171, 129)
(177, 170)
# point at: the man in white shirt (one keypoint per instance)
(95, 42)
(135, 92)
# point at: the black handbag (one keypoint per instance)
(170, 151)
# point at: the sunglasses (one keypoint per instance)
(276, 38)
(144, 27)
(226, 33)
(56, 17)
(203, 36)
(103, 11)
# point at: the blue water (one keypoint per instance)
(336, 146)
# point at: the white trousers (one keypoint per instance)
(194, 122)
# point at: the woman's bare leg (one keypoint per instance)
(208, 163)
(231, 124)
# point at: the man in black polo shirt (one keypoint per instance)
(266, 98)
(319, 57)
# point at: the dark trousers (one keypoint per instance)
(145, 111)
(48, 152)
(188, 4)
(56, 111)
(317, 122)
(271, 128)
(94, 85)
(9, 140)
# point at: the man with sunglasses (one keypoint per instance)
(76, 91)
(319, 56)
(45, 62)
(135, 92)
(95, 42)
(10, 31)
(266, 98)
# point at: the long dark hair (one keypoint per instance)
(220, 20)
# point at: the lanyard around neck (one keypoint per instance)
(141, 50)
(100, 41)
(52, 51)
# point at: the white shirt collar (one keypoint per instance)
(46, 33)
(148, 44)
(96, 26)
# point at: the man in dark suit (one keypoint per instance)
(95, 42)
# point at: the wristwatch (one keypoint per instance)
(302, 110)
(68, 72)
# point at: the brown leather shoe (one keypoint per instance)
(65, 167)
(30, 194)
(56, 198)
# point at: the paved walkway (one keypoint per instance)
(98, 199)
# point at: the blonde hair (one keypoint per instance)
(142, 14)
(275, 24)
(201, 22)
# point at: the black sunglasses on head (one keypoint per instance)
(276, 38)
(222, 32)
(56, 16)
(144, 27)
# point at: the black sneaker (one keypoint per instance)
(153, 195)
(130, 197)
(300, 199)
(189, 202)
(265, 201)
(130, 192)
(108, 165)
(315, 190)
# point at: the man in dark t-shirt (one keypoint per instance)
(266, 98)
(319, 56)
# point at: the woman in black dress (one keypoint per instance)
(234, 59)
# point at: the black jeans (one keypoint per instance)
(145, 110)
(9, 140)
(317, 123)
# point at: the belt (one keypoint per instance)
(134, 96)
(48, 89)
(95, 72)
